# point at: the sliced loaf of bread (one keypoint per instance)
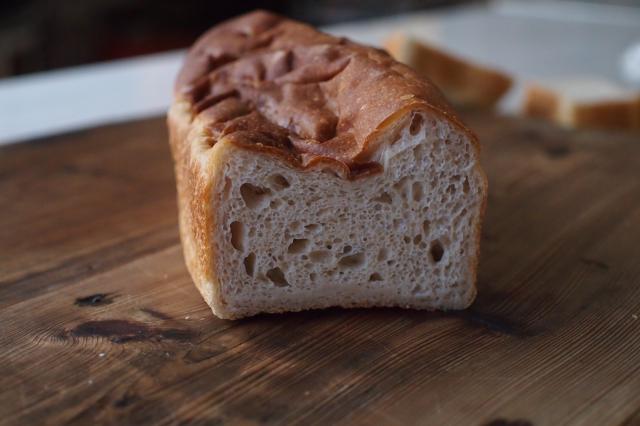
(583, 102)
(464, 83)
(315, 172)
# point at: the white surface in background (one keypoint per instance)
(53, 102)
(529, 40)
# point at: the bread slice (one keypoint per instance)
(463, 82)
(315, 172)
(583, 102)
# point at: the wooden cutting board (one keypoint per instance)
(99, 320)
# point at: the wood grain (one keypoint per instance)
(100, 323)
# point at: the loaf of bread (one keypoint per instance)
(316, 172)
(583, 102)
(463, 82)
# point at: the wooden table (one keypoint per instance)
(99, 320)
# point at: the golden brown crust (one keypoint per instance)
(549, 104)
(194, 187)
(263, 81)
(622, 114)
(540, 102)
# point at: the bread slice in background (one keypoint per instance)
(583, 102)
(316, 172)
(464, 83)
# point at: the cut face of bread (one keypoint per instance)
(322, 175)
(405, 237)
(583, 102)
(463, 82)
(286, 240)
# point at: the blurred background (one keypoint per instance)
(70, 64)
(38, 35)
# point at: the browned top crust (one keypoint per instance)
(266, 81)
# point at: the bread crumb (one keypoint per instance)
(102, 354)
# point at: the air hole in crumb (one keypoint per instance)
(275, 204)
(417, 239)
(346, 249)
(451, 189)
(253, 196)
(312, 227)
(352, 261)
(278, 182)
(276, 276)
(465, 186)
(416, 124)
(375, 277)
(383, 198)
(249, 264)
(400, 187)
(417, 152)
(319, 255)
(329, 247)
(416, 191)
(227, 188)
(295, 226)
(312, 276)
(436, 251)
(425, 227)
(237, 235)
(382, 255)
(407, 239)
(298, 245)
(291, 202)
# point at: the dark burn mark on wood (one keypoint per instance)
(557, 150)
(594, 262)
(122, 331)
(495, 323)
(529, 135)
(505, 422)
(552, 145)
(156, 314)
(98, 299)
(125, 400)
